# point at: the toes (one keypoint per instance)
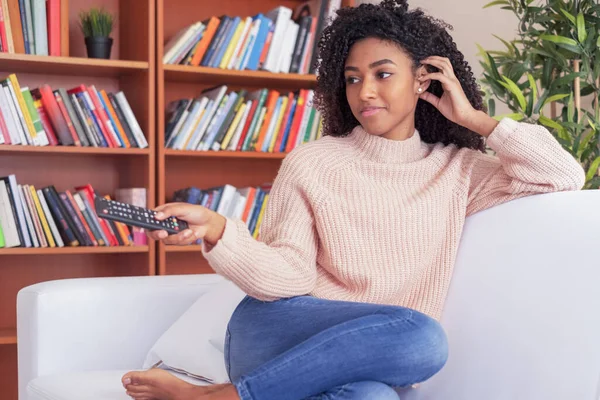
(139, 389)
(144, 396)
(132, 378)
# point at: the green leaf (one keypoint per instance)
(549, 123)
(562, 41)
(593, 183)
(491, 106)
(593, 169)
(586, 140)
(540, 52)
(581, 33)
(598, 42)
(495, 3)
(516, 92)
(559, 39)
(515, 116)
(547, 72)
(570, 108)
(540, 102)
(555, 97)
(533, 86)
(569, 16)
(494, 68)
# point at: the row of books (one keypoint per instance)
(263, 120)
(45, 217)
(281, 40)
(248, 203)
(30, 27)
(81, 116)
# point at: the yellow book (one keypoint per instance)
(42, 216)
(201, 114)
(275, 134)
(232, 44)
(24, 109)
(233, 126)
(260, 216)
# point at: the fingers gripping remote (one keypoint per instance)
(136, 216)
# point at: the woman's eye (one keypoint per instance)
(351, 79)
(383, 75)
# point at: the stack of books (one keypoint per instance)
(46, 217)
(264, 120)
(281, 40)
(81, 116)
(247, 204)
(30, 27)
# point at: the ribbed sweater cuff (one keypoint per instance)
(223, 251)
(498, 137)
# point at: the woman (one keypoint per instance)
(348, 283)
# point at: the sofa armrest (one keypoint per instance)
(98, 323)
(522, 311)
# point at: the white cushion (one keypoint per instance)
(96, 385)
(195, 343)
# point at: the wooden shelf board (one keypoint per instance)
(183, 249)
(73, 250)
(213, 76)
(224, 154)
(8, 336)
(78, 66)
(72, 150)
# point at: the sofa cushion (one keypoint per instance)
(195, 343)
(92, 385)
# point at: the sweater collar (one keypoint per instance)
(380, 149)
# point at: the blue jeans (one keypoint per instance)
(309, 348)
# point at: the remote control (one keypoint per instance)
(136, 216)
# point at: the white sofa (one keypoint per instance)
(522, 316)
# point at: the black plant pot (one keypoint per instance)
(98, 47)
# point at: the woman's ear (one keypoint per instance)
(421, 85)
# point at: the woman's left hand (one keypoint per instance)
(454, 103)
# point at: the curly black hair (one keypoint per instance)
(419, 36)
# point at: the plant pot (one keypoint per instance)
(98, 47)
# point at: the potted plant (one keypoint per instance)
(96, 25)
(550, 74)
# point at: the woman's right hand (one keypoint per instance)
(203, 224)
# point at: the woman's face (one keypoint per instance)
(382, 88)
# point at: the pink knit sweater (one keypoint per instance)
(363, 218)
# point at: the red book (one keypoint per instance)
(65, 115)
(88, 190)
(4, 130)
(46, 122)
(298, 114)
(93, 109)
(81, 217)
(53, 23)
(3, 40)
(284, 123)
(56, 117)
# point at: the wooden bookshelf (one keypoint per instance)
(8, 336)
(74, 66)
(223, 154)
(73, 150)
(212, 76)
(177, 169)
(183, 249)
(73, 250)
(132, 69)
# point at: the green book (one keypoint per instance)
(35, 117)
(1, 237)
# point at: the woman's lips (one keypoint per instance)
(370, 111)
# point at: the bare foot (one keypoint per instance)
(158, 384)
